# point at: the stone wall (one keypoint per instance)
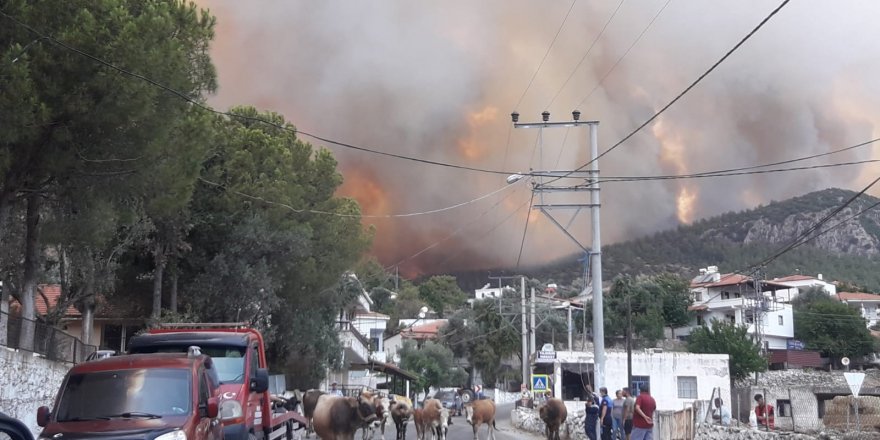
(710, 432)
(27, 382)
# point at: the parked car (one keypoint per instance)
(448, 399)
(173, 396)
(14, 429)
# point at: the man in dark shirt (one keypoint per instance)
(643, 419)
(605, 408)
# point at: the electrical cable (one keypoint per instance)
(525, 229)
(583, 58)
(682, 93)
(541, 64)
(335, 214)
(449, 236)
(619, 59)
(210, 109)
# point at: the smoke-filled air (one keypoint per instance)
(438, 81)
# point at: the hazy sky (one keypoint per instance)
(438, 80)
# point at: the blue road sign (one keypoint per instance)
(540, 382)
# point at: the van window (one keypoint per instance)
(254, 361)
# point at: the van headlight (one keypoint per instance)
(230, 409)
(173, 435)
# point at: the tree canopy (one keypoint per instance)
(722, 337)
(831, 327)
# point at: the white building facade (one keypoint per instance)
(734, 298)
(868, 305)
(675, 379)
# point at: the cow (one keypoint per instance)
(401, 412)
(309, 402)
(419, 421)
(435, 419)
(338, 418)
(481, 412)
(553, 413)
(383, 413)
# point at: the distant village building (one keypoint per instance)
(739, 300)
(868, 305)
(800, 284)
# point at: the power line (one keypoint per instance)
(682, 93)
(541, 64)
(525, 229)
(587, 53)
(619, 59)
(336, 214)
(210, 109)
(453, 234)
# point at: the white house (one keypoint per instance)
(490, 292)
(676, 379)
(800, 284)
(734, 298)
(868, 305)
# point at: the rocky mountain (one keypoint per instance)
(734, 241)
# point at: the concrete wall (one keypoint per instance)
(27, 382)
(804, 414)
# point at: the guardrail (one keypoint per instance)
(48, 341)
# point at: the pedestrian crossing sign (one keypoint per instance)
(540, 382)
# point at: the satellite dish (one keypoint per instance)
(844, 361)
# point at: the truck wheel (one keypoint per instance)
(467, 396)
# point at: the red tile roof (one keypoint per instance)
(424, 331)
(697, 307)
(47, 301)
(857, 296)
(728, 279)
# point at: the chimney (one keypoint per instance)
(820, 277)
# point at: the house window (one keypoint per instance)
(737, 295)
(698, 296)
(725, 295)
(701, 320)
(637, 383)
(111, 337)
(783, 408)
(730, 318)
(748, 318)
(687, 387)
(779, 318)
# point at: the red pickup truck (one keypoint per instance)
(161, 397)
(240, 356)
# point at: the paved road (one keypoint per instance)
(461, 430)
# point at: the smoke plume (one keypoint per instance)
(438, 80)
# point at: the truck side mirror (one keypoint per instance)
(43, 416)
(260, 381)
(213, 409)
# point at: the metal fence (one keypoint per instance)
(48, 341)
(675, 425)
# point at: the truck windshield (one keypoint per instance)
(126, 393)
(228, 360)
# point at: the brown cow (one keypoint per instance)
(553, 413)
(338, 418)
(435, 420)
(309, 402)
(481, 412)
(419, 421)
(400, 413)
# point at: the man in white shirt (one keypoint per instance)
(721, 412)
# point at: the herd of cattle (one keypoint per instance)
(334, 417)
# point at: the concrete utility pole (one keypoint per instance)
(591, 176)
(596, 263)
(532, 328)
(525, 341)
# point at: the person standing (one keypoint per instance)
(605, 408)
(629, 408)
(617, 416)
(334, 390)
(591, 419)
(643, 418)
(764, 413)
